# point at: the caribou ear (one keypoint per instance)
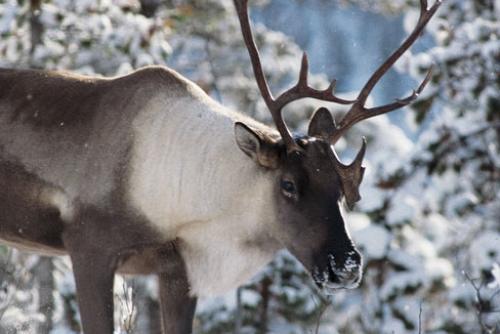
(322, 125)
(257, 145)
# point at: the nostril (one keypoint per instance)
(336, 279)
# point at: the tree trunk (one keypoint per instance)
(238, 315)
(266, 296)
(44, 275)
(148, 316)
(36, 26)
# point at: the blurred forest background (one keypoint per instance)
(429, 221)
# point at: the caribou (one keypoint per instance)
(146, 174)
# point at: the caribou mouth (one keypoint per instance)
(329, 281)
(334, 278)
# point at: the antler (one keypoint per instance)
(299, 91)
(358, 111)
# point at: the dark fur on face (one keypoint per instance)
(312, 211)
(308, 192)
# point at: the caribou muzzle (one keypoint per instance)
(339, 272)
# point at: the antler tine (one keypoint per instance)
(303, 90)
(299, 91)
(358, 111)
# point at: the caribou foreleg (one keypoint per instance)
(94, 269)
(177, 306)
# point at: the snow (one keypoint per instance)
(401, 283)
(372, 198)
(485, 251)
(403, 209)
(373, 241)
(495, 272)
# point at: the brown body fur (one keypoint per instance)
(67, 137)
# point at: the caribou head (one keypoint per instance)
(311, 181)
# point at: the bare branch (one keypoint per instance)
(480, 302)
(420, 319)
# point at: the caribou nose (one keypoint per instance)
(342, 270)
(347, 272)
(349, 279)
(343, 278)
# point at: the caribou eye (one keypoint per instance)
(288, 188)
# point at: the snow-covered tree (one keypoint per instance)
(438, 205)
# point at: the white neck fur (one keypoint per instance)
(192, 182)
